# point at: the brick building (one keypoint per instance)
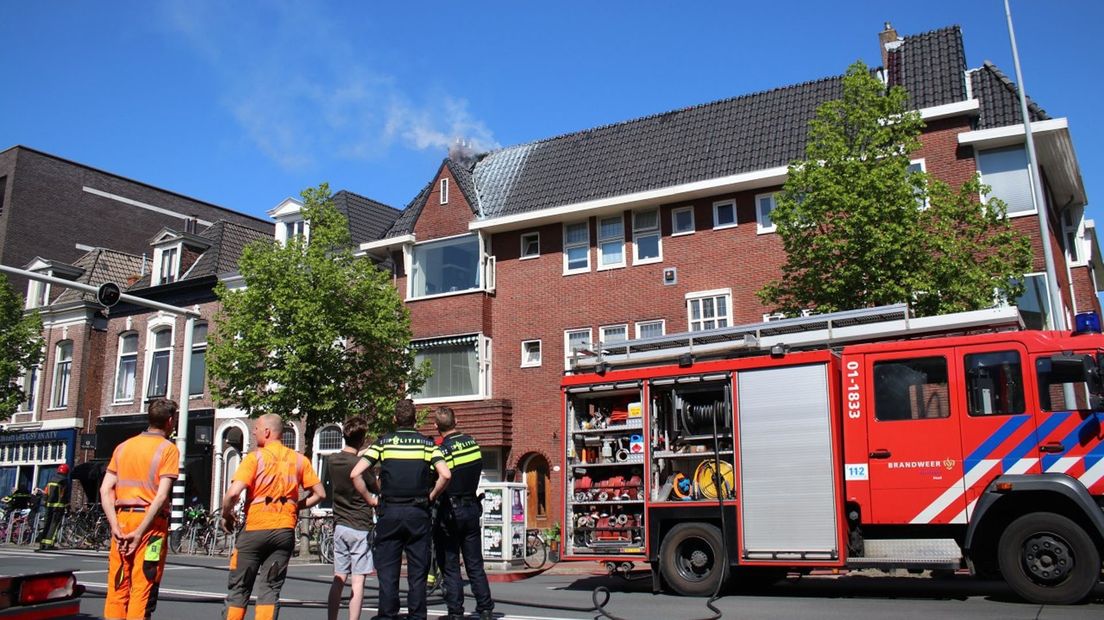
(510, 260)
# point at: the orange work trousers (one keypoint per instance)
(132, 581)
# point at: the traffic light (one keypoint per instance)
(108, 294)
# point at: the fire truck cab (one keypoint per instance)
(854, 440)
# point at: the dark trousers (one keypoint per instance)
(264, 554)
(457, 533)
(50, 527)
(402, 527)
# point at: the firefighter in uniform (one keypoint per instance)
(135, 494)
(272, 477)
(407, 460)
(57, 498)
(457, 530)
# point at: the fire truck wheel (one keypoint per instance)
(1047, 558)
(692, 559)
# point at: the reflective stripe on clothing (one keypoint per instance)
(407, 458)
(273, 476)
(139, 463)
(464, 458)
(133, 580)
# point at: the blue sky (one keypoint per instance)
(245, 103)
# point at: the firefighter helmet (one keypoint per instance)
(63, 469)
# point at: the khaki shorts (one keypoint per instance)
(352, 553)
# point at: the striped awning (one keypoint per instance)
(440, 342)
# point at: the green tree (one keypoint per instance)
(316, 333)
(861, 229)
(20, 347)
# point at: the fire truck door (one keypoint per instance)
(999, 432)
(915, 450)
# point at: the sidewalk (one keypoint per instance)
(575, 569)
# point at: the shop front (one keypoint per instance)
(29, 458)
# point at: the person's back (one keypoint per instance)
(352, 522)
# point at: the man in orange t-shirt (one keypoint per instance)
(134, 494)
(272, 477)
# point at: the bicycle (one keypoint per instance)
(536, 549)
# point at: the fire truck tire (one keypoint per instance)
(1047, 558)
(692, 559)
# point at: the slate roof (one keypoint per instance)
(1000, 99)
(930, 66)
(227, 242)
(732, 136)
(101, 265)
(368, 219)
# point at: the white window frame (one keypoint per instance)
(444, 193)
(295, 430)
(675, 232)
(521, 253)
(604, 328)
(29, 381)
(567, 343)
(321, 453)
(151, 342)
(662, 326)
(578, 244)
(621, 240)
(647, 232)
(59, 394)
(199, 347)
(119, 367)
(760, 228)
(924, 169)
(1073, 235)
(700, 295)
(985, 197)
(525, 362)
(721, 203)
(38, 293)
(483, 374)
(485, 282)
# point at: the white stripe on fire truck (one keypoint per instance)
(1020, 467)
(964, 516)
(955, 491)
(1063, 464)
(1093, 474)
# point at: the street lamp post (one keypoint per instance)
(110, 293)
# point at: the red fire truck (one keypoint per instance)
(852, 440)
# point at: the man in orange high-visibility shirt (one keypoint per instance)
(272, 476)
(134, 494)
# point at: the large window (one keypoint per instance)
(447, 266)
(575, 340)
(576, 247)
(126, 368)
(1034, 304)
(994, 383)
(646, 242)
(160, 362)
(1005, 172)
(709, 310)
(456, 366)
(63, 366)
(911, 389)
(198, 378)
(611, 241)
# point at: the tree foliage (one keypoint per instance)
(20, 347)
(860, 229)
(316, 333)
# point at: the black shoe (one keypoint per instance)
(486, 615)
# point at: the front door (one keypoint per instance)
(916, 470)
(538, 480)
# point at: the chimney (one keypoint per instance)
(885, 39)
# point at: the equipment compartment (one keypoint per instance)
(605, 479)
(691, 439)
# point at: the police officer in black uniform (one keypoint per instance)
(407, 460)
(457, 529)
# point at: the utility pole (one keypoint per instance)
(108, 294)
(1057, 314)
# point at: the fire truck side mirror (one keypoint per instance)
(1072, 368)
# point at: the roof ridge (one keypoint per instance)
(1012, 86)
(368, 198)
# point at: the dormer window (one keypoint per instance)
(169, 260)
(38, 293)
(289, 221)
(295, 229)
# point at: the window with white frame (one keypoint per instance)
(918, 166)
(575, 340)
(295, 228)
(460, 369)
(28, 383)
(444, 191)
(682, 221)
(170, 262)
(63, 366)
(650, 329)
(724, 214)
(764, 206)
(613, 333)
(330, 439)
(160, 363)
(530, 353)
(530, 245)
(445, 266)
(647, 246)
(1005, 172)
(709, 309)
(1034, 303)
(198, 379)
(126, 368)
(38, 293)
(1073, 233)
(576, 247)
(290, 436)
(611, 241)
